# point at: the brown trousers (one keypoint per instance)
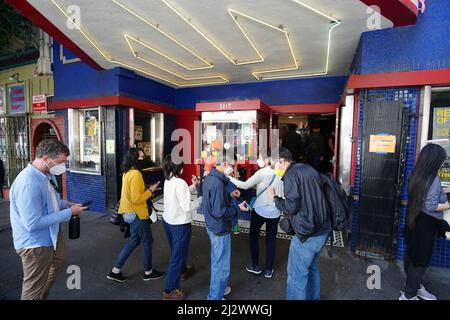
(40, 268)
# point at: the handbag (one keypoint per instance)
(115, 216)
(152, 211)
(252, 201)
(129, 217)
(286, 225)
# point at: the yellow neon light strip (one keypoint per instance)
(233, 61)
(111, 60)
(81, 31)
(164, 79)
(209, 65)
(257, 74)
(165, 69)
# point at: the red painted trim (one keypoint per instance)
(355, 139)
(112, 101)
(188, 112)
(84, 103)
(399, 79)
(144, 105)
(232, 105)
(305, 108)
(32, 14)
(400, 12)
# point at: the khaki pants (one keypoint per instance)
(40, 268)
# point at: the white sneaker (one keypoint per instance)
(403, 297)
(424, 294)
(227, 291)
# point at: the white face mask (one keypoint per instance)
(260, 163)
(228, 171)
(58, 169)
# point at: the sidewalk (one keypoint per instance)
(343, 275)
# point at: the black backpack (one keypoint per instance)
(339, 206)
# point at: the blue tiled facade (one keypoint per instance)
(410, 98)
(82, 187)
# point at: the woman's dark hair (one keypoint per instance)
(140, 149)
(428, 164)
(130, 161)
(171, 169)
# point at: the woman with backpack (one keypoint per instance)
(133, 207)
(264, 212)
(424, 219)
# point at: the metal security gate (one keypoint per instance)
(14, 146)
(382, 163)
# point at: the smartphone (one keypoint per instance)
(87, 203)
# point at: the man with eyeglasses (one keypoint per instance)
(36, 211)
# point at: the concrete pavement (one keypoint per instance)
(343, 276)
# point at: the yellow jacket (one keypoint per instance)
(133, 197)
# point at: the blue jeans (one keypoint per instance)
(140, 232)
(220, 264)
(179, 237)
(303, 281)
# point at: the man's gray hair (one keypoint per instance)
(51, 148)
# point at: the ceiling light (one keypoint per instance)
(14, 77)
(233, 61)
(112, 60)
(208, 64)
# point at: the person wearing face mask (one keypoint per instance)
(305, 203)
(36, 212)
(264, 212)
(142, 162)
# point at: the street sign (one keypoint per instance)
(39, 103)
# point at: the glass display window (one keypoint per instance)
(439, 127)
(85, 140)
(225, 130)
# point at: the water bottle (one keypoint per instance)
(74, 227)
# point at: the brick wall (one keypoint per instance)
(59, 125)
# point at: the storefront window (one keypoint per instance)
(147, 133)
(85, 140)
(439, 127)
(16, 99)
(235, 128)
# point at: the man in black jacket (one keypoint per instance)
(305, 204)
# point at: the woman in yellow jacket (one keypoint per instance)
(133, 206)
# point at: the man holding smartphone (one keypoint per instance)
(36, 211)
(219, 213)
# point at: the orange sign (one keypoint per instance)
(382, 144)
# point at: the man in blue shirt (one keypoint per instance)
(36, 212)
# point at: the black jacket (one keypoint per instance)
(304, 201)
